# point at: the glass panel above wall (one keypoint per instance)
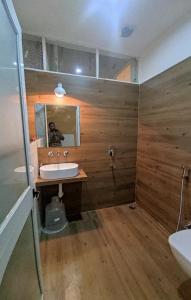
(78, 60)
(32, 51)
(117, 66)
(71, 59)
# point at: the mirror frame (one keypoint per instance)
(46, 124)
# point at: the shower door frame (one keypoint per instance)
(12, 225)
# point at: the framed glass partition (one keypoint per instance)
(117, 66)
(32, 51)
(70, 59)
(17, 210)
(12, 147)
(44, 54)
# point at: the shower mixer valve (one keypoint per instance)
(184, 177)
(186, 172)
(111, 151)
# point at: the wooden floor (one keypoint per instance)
(112, 254)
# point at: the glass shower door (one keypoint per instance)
(16, 194)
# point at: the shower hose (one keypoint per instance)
(185, 170)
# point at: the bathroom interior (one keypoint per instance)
(95, 152)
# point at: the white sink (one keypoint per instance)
(21, 173)
(180, 244)
(59, 171)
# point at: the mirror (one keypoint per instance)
(58, 125)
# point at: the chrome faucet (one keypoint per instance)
(50, 154)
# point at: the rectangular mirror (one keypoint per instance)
(58, 125)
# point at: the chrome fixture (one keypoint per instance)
(66, 153)
(132, 205)
(59, 90)
(187, 226)
(50, 154)
(185, 176)
(111, 151)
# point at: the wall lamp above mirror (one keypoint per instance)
(59, 91)
(58, 125)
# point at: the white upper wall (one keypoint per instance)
(98, 23)
(171, 48)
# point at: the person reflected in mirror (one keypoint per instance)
(55, 137)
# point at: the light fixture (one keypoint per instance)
(78, 70)
(59, 90)
(127, 31)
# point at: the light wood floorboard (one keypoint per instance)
(112, 254)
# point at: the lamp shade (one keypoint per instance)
(59, 90)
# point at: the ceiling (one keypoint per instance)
(98, 23)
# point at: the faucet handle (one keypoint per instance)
(58, 154)
(50, 154)
(66, 153)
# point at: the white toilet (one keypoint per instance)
(180, 244)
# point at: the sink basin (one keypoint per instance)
(21, 173)
(59, 171)
(180, 244)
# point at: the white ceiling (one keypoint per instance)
(97, 23)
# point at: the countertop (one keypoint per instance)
(44, 182)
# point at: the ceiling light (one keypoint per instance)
(127, 31)
(59, 90)
(78, 70)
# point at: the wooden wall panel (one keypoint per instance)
(108, 117)
(164, 143)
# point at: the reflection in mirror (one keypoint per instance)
(40, 120)
(58, 125)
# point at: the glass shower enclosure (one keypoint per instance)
(20, 276)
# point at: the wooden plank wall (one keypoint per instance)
(108, 117)
(164, 143)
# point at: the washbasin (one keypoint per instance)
(180, 244)
(59, 171)
(21, 173)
